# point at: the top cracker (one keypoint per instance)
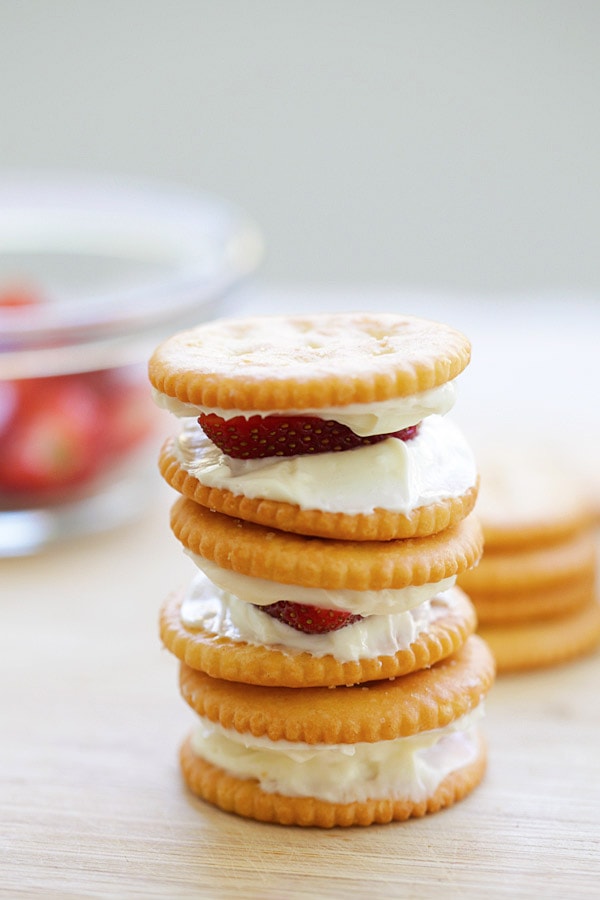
(303, 362)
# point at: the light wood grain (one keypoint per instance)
(91, 801)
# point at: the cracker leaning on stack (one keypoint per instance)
(326, 503)
(535, 588)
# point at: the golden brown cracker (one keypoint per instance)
(244, 797)
(307, 362)
(529, 497)
(539, 603)
(380, 525)
(220, 657)
(547, 642)
(377, 711)
(254, 550)
(552, 564)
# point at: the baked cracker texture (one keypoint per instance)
(379, 711)
(380, 525)
(254, 550)
(307, 362)
(530, 498)
(536, 603)
(220, 657)
(245, 797)
(273, 364)
(536, 567)
(544, 642)
(535, 589)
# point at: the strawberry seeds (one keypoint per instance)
(310, 619)
(259, 437)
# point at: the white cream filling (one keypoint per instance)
(262, 592)
(408, 768)
(217, 612)
(381, 417)
(395, 475)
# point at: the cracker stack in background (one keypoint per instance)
(535, 589)
(326, 502)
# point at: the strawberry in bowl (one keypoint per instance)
(62, 433)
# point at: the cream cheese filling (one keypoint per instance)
(394, 475)
(406, 768)
(262, 592)
(217, 612)
(380, 417)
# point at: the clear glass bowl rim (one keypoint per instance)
(207, 244)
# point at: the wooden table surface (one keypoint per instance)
(92, 804)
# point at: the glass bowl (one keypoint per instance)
(93, 274)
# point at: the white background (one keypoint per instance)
(445, 145)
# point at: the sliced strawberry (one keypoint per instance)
(405, 434)
(310, 619)
(261, 436)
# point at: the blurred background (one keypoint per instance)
(439, 159)
(452, 146)
(432, 157)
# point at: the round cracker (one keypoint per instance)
(244, 797)
(380, 525)
(220, 657)
(552, 564)
(541, 603)
(548, 642)
(254, 550)
(307, 362)
(380, 710)
(529, 497)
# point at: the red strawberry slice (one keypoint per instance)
(261, 436)
(310, 619)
